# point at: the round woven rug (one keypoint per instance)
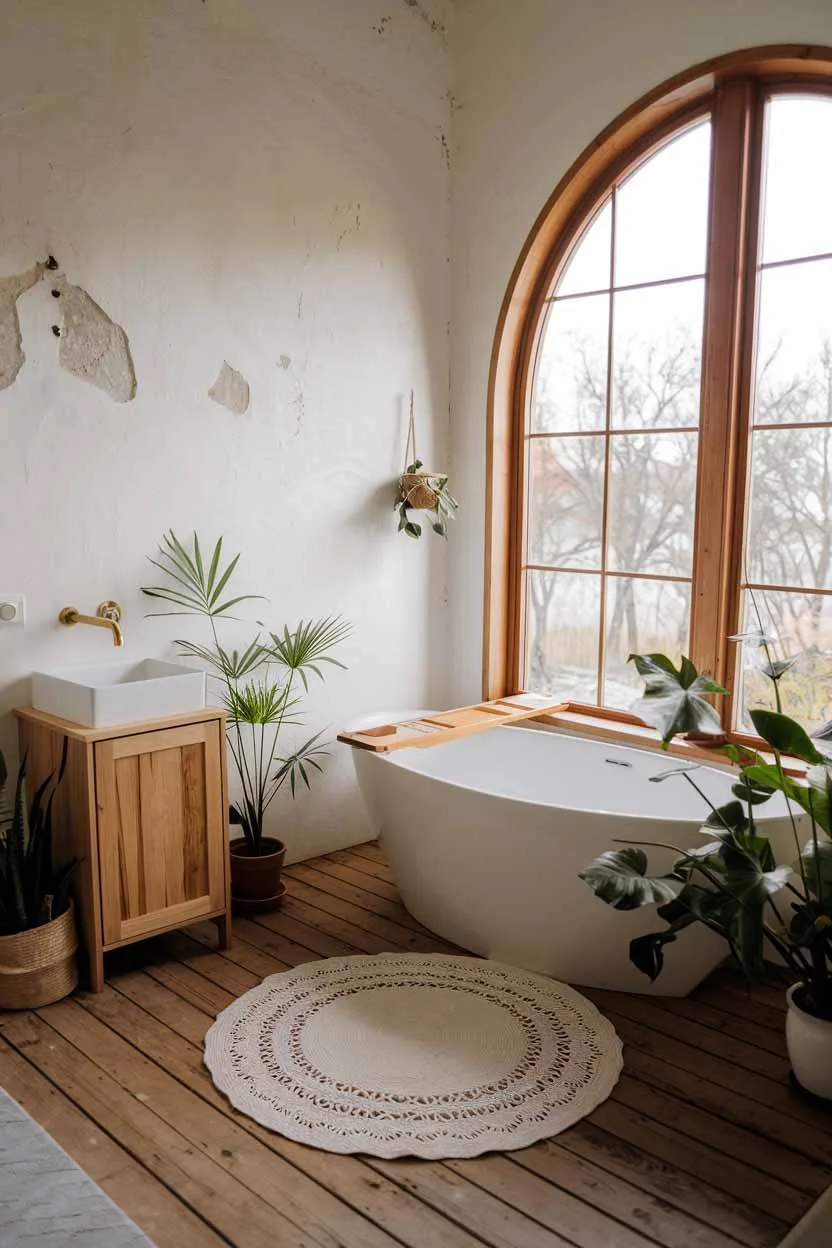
(413, 1054)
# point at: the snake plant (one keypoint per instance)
(32, 891)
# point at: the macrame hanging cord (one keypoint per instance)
(416, 485)
(411, 439)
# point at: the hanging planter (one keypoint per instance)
(422, 491)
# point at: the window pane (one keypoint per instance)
(798, 178)
(571, 381)
(651, 503)
(562, 622)
(657, 356)
(661, 212)
(588, 267)
(794, 346)
(566, 498)
(790, 521)
(642, 617)
(801, 624)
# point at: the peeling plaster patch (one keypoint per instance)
(231, 390)
(93, 347)
(438, 28)
(284, 362)
(12, 357)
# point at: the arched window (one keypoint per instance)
(661, 401)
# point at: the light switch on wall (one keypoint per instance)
(12, 609)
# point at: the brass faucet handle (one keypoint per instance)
(109, 611)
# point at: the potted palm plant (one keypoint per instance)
(731, 883)
(261, 687)
(38, 939)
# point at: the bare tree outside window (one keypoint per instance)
(613, 440)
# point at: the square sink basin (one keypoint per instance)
(104, 695)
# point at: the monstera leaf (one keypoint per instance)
(817, 867)
(693, 904)
(749, 873)
(674, 700)
(785, 735)
(619, 877)
(815, 797)
(818, 801)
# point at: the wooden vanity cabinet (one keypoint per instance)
(143, 807)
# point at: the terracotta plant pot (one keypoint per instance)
(39, 966)
(809, 1041)
(256, 885)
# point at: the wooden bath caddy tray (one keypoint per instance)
(429, 730)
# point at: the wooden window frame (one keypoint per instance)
(733, 90)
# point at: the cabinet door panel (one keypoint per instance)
(161, 828)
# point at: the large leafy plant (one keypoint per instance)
(731, 883)
(261, 685)
(32, 891)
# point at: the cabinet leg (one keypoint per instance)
(223, 922)
(97, 971)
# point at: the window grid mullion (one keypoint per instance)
(602, 604)
(716, 517)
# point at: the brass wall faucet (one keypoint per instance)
(108, 615)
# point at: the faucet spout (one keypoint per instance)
(108, 615)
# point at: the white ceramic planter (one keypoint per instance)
(809, 1042)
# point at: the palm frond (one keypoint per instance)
(309, 645)
(230, 665)
(188, 586)
(257, 702)
(295, 767)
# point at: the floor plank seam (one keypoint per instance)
(675, 1157)
(240, 1120)
(122, 1144)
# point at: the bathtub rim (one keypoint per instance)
(395, 758)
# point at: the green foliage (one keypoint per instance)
(785, 735)
(258, 703)
(257, 684)
(619, 877)
(732, 883)
(188, 587)
(674, 700)
(309, 646)
(443, 510)
(32, 892)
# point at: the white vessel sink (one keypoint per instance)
(102, 695)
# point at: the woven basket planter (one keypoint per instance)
(39, 966)
(417, 490)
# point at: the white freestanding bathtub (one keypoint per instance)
(486, 835)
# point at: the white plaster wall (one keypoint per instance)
(534, 82)
(234, 180)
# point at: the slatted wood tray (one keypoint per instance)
(463, 721)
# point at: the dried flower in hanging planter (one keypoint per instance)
(422, 491)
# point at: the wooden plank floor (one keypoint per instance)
(703, 1144)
